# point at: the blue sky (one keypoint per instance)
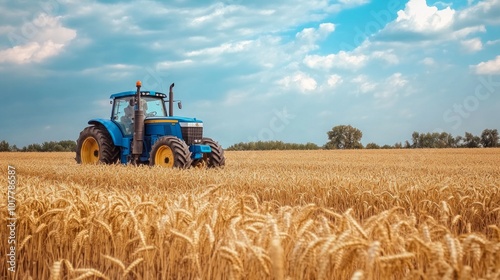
(254, 70)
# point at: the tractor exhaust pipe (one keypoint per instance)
(138, 138)
(171, 100)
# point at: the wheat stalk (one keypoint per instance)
(115, 261)
(276, 254)
(55, 271)
(131, 266)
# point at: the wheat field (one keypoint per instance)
(363, 214)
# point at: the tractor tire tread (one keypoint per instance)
(182, 155)
(216, 158)
(109, 153)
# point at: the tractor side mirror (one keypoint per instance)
(179, 104)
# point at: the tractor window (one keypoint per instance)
(155, 107)
(123, 111)
(123, 114)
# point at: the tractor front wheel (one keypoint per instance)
(96, 146)
(170, 151)
(216, 157)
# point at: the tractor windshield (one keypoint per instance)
(154, 107)
(123, 110)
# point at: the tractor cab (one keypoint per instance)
(152, 104)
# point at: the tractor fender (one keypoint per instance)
(113, 129)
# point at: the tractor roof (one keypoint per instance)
(132, 93)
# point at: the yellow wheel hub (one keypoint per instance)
(90, 151)
(164, 157)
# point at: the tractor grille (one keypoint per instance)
(190, 134)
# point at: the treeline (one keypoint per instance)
(271, 145)
(348, 137)
(51, 146)
(489, 139)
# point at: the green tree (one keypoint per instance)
(471, 141)
(429, 140)
(48, 146)
(344, 137)
(4, 146)
(68, 145)
(372, 146)
(489, 138)
(311, 146)
(33, 148)
(458, 140)
(415, 136)
(407, 144)
(432, 140)
(445, 140)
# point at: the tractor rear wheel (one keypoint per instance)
(96, 146)
(170, 151)
(216, 157)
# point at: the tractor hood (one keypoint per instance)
(174, 119)
(188, 129)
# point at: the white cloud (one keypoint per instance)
(37, 40)
(429, 61)
(235, 98)
(352, 3)
(247, 18)
(364, 85)
(221, 49)
(6, 29)
(340, 60)
(493, 42)
(483, 11)
(341, 5)
(488, 67)
(216, 12)
(419, 22)
(308, 37)
(419, 17)
(464, 32)
(334, 80)
(472, 45)
(112, 71)
(301, 81)
(386, 55)
(422, 31)
(307, 34)
(397, 81)
(312, 35)
(327, 27)
(388, 92)
(30, 52)
(175, 64)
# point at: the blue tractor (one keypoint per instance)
(141, 132)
